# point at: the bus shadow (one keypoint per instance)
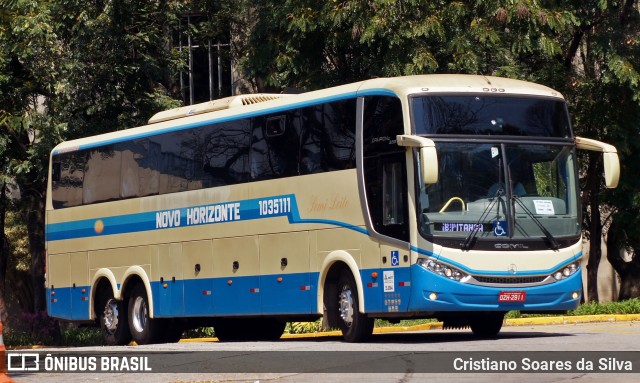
(434, 337)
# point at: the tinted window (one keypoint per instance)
(385, 167)
(274, 146)
(227, 153)
(328, 137)
(67, 176)
(102, 175)
(302, 141)
(491, 115)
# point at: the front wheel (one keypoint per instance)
(487, 325)
(355, 326)
(144, 330)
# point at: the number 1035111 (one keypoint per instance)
(274, 206)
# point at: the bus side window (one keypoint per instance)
(392, 191)
(327, 137)
(67, 177)
(384, 167)
(274, 147)
(102, 175)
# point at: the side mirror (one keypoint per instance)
(609, 155)
(428, 155)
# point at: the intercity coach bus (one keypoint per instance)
(438, 196)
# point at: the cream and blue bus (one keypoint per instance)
(438, 196)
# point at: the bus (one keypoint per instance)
(434, 196)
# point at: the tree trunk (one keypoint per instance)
(35, 227)
(4, 253)
(595, 228)
(629, 271)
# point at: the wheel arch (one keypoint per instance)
(133, 276)
(100, 278)
(331, 266)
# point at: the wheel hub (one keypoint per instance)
(111, 315)
(346, 305)
(139, 314)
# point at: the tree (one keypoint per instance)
(71, 69)
(603, 93)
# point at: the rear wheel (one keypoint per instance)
(248, 329)
(144, 330)
(172, 331)
(112, 315)
(355, 326)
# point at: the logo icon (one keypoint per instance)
(23, 362)
(499, 228)
(395, 258)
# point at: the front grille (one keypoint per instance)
(509, 280)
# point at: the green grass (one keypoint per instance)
(70, 337)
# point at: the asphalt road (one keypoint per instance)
(538, 353)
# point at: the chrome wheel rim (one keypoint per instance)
(346, 306)
(139, 314)
(111, 316)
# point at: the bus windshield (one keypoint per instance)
(500, 190)
(493, 115)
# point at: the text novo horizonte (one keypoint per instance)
(224, 212)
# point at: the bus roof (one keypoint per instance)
(246, 106)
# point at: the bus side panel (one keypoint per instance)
(395, 278)
(79, 277)
(236, 290)
(169, 296)
(371, 284)
(197, 272)
(284, 274)
(59, 291)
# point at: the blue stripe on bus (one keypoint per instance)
(296, 294)
(178, 218)
(219, 120)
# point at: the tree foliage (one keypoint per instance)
(70, 69)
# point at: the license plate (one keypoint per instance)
(512, 296)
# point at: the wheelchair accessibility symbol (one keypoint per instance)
(499, 228)
(395, 258)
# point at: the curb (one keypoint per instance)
(557, 320)
(573, 319)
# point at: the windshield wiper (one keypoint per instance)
(554, 243)
(466, 245)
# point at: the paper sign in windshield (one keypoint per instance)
(543, 207)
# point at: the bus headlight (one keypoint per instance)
(567, 271)
(441, 269)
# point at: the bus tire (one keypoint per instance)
(270, 329)
(355, 326)
(230, 329)
(144, 330)
(112, 315)
(487, 324)
(172, 331)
